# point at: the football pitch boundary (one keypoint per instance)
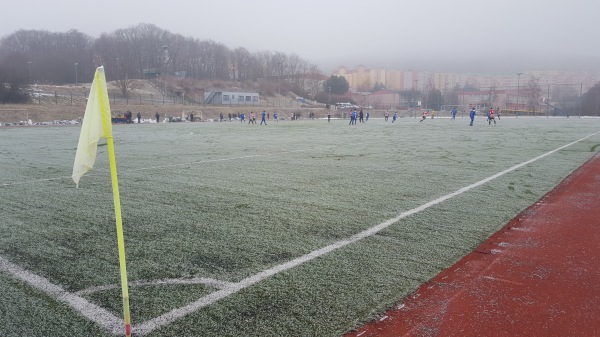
(115, 325)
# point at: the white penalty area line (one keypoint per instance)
(175, 314)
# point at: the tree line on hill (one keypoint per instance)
(141, 51)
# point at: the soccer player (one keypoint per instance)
(491, 117)
(472, 115)
(262, 119)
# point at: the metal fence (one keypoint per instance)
(74, 97)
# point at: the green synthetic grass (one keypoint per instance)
(228, 200)
(151, 300)
(25, 311)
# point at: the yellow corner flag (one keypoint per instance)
(97, 124)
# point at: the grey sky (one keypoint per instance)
(425, 34)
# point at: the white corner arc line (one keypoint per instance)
(94, 313)
(173, 315)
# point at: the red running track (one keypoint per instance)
(538, 276)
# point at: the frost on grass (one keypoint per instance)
(228, 201)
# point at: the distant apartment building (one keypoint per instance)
(362, 78)
(506, 90)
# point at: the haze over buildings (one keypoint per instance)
(363, 78)
(531, 91)
(428, 35)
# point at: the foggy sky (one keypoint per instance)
(435, 35)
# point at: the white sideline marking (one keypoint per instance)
(171, 316)
(198, 280)
(91, 311)
(164, 166)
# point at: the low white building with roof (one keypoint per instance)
(231, 97)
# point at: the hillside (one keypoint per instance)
(67, 102)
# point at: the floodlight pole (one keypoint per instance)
(518, 89)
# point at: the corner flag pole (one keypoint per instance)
(97, 124)
(121, 243)
(104, 104)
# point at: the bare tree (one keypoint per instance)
(411, 97)
(50, 57)
(132, 52)
(125, 86)
(590, 101)
(240, 64)
(532, 92)
(13, 79)
(314, 80)
(492, 96)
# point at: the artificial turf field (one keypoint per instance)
(302, 228)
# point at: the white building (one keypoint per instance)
(224, 97)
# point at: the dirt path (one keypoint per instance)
(538, 276)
